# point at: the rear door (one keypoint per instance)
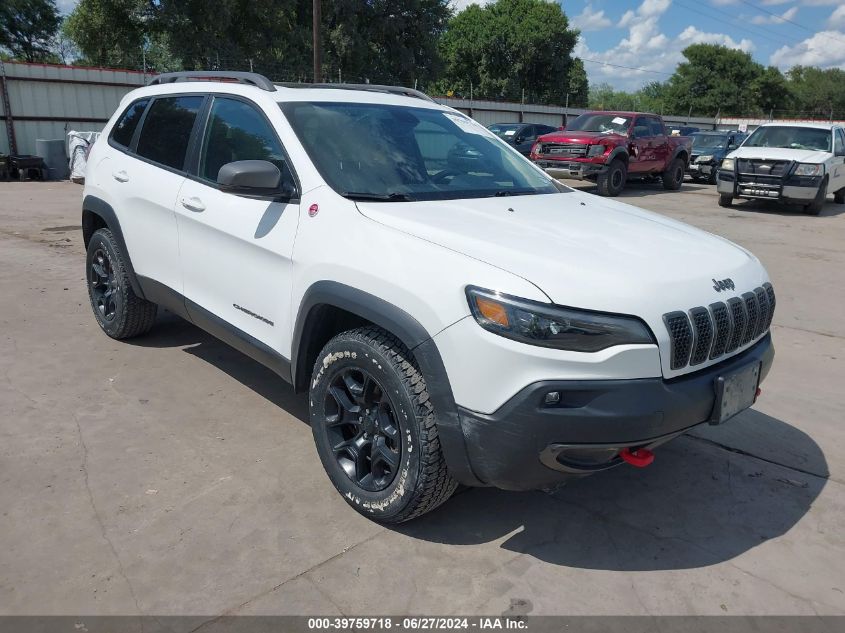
(147, 177)
(236, 250)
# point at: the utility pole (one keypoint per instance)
(315, 26)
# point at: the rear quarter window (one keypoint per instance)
(126, 125)
(167, 130)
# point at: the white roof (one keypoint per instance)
(821, 125)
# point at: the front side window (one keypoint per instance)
(790, 137)
(839, 146)
(237, 131)
(125, 127)
(167, 130)
(385, 152)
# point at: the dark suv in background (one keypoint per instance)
(708, 151)
(521, 135)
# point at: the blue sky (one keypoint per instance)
(650, 34)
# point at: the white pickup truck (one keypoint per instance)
(798, 163)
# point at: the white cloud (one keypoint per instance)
(647, 48)
(787, 15)
(837, 18)
(590, 20)
(66, 6)
(460, 5)
(825, 49)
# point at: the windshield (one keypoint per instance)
(369, 151)
(503, 131)
(709, 141)
(790, 137)
(608, 123)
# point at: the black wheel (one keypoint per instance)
(673, 177)
(839, 197)
(816, 206)
(118, 310)
(612, 181)
(711, 179)
(726, 200)
(374, 427)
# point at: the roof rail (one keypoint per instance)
(250, 79)
(396, 90)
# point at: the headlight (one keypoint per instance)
(805, 169)
(553, 326)
(595, 150)
(704, 158)
(728, 164)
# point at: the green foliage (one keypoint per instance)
(714, 79)
(109, 33)
(27, 28)
(509, 46)
(817, 92)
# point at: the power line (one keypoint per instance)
(644, 70)
(794, 23)
(755, 31)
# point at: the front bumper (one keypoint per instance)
(701, 169)
(570, 169)
(526, 444)
(800, 189)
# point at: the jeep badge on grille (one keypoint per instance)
(723, 284)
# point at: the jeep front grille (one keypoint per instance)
(708, 333)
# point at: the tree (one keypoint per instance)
(110, 33)
(817, 92)
(27, 28)
(720, 79)
(508, 47)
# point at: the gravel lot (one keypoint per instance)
(171, 475)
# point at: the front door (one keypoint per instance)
(235, 250)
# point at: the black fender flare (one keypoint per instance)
(680, 149)
(619, 152)
(102, 209)
(413, 335)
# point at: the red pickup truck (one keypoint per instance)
(608, 148)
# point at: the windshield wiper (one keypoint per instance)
(513, 192)
(377, 197)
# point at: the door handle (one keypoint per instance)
(120, 176)
(193, 204)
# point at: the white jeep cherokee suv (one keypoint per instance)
(797, 163)
(455, 315)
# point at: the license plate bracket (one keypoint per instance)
(735, 392)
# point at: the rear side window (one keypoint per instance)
(167, 130)
(125, 128)
(237, 131)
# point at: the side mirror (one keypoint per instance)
(253, 178)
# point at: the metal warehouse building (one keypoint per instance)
(44, 101)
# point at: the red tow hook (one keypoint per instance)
(639, 457)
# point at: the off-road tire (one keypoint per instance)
(421, 481)
(816, 206)
(711, 179)
(611, 182)
(673, 177)
(839, 196)
(726, 200)
(132, 315)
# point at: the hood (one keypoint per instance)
(781, 153)
(583, 251)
